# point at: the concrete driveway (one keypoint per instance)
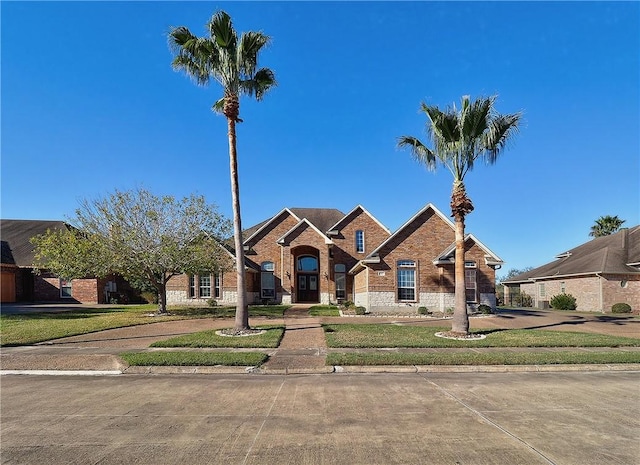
(474, 419)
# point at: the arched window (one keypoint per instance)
(267, 281)
(307, 264)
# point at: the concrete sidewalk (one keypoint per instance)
(303, 348)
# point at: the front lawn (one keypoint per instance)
(484, 358)
(32, 328)
(324, 310)
(269, 339)
(194, 358)
(391, 335)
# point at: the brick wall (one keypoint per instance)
(422, 241)
(621, 289)
(592, 293)
(344, 249)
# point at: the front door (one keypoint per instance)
(307, 288)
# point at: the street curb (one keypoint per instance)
(62, 372)
(347, 369)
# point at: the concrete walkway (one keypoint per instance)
(303, 348)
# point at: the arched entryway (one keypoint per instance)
(307, 272)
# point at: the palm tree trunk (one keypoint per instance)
(460, 323)
(242, 311)
(460, 206)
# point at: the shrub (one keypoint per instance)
(524, 300)
(621, 308)
(423, 311)
(484, 309)
(563, 302)
(449, 311)
(348, 304)
(212, 302)
(361, 310)
(149, 297)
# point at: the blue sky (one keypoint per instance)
(90, 104)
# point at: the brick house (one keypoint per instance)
(19, 283)
(598, 273)
(312, 255)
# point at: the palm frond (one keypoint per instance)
(192, 68)
(419, 151)
(262, 81)
(247, 54)
(501, 129)
(218, 107)
(474, 117)
(222, 32)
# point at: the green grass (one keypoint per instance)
(263, 311)
(194, 358)
(269, 339)
(37, 327)
(495, 358)
(324, 310)
(388, 335)
(32, 328)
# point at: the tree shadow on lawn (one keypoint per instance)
(64, 314)
(572, 320)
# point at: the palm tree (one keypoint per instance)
(606, 225)
(233, 63)
(459, 138)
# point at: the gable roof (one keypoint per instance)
(408, 223)
(16, 235)
(308, 223)
(320, 218)
(617, 253)
(448, 255)
(374, 257)
(336, 227)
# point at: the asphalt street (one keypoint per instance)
(564, 418)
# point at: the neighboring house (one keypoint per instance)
(312, 255)
(599, 273)
(21, 284)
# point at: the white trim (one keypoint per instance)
(304, 220)
(334, 229)
(284, 210)
(413, 218)
(446, 257)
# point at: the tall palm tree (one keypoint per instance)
(459, 138)
(233, 63)
(606, 225)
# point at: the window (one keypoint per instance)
(470, 284)
(563, 288)
(307, 264)
(341, 281)
(65, 288)
(217, 285)
(267, 281)
(470, 281)
(542, 290)
(204, 289)
(200, 286)
(192, 286)
(359, 241)
(406, 280)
